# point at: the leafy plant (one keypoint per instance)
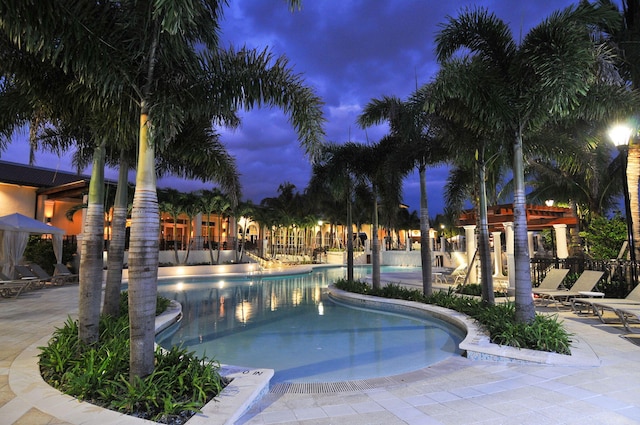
(544, 333)
(40, 251)
(179, 386)
(604, 237)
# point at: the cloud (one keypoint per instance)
(349, 51)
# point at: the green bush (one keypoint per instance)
(40, 251)
(179, 386)
(604, 237)
(543, 334)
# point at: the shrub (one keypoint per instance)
(179, 386)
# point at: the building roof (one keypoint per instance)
(28, 175)
(539, 217)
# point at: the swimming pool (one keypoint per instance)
(288, 324)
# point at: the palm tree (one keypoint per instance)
(332, 174)
(374, 165)
(242, 210)
(414, 131)
(627, 39)
(174, 84)
(520, 87)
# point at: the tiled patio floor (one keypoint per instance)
(459, 391)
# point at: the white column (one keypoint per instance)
(197, 230)
(470, 238)
(497, 255)
(530, 243)
(511, 271)
(561, 240)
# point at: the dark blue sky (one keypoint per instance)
(350, 51)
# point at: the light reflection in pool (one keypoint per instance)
(286, 323)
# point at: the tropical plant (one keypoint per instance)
(518, 87)
(149, 54)
(604, 237)
(415, 133)
(626, 37)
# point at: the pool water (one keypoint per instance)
(288, 324)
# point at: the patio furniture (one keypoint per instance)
(62, 273)
(627, 312)
(46, 277)
(598, 305)
(25, 273)
(586, 282)
(12, 287)
(552, 280)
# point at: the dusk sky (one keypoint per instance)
(349, 51)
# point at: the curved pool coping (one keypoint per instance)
(476, 344)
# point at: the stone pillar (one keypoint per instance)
(197, 231)
(511, 270)
(530, 243)
(497, 255)
(560, 231)
(470, 238)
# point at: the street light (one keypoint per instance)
(621, 135)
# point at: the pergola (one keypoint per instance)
(539, 217)
(500, 219)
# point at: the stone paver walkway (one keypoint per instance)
(459, 391)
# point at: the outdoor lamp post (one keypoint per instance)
(620, 136)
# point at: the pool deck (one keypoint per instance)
(455, 391)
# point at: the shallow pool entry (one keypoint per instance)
(288, 324)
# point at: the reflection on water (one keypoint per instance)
(286, 323)
(216, 307)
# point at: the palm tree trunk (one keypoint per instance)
(115, 259)
(349, 239)
(91, 254)
(143, 259)
(525, 310)
(425, 245)
(486, 275)
(375, 245)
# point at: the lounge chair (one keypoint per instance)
(46, 277)
(585, 283)
(13, 287)
(459, 274)
(626, 312)
(598, 305)
(63, 273)
(552, 280)
(25, 273)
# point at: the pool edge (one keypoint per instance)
(476, 343)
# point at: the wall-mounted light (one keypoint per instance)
(48, 209)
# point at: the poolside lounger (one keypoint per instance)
(25, 273)
(552, 280)
(598, 305)
(46, 277)
(626, 312)
(63, 274)
(12, 287)
(585, 283)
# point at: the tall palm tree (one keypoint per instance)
(374, 165)
(550, 73)
(332, 174)
(415, 132)
(627, 39)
